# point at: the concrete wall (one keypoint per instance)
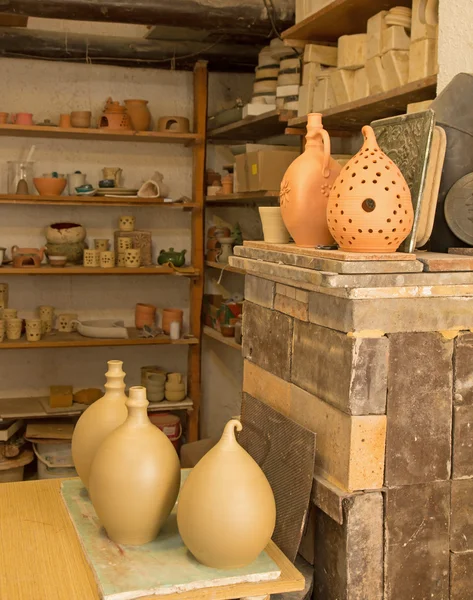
(455, 46)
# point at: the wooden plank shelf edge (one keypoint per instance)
(79, 270)
(217, 336)
(93, 201)
(224, 267)
(242, 197)
(253, 128)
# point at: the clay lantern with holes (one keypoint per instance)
(370, 207)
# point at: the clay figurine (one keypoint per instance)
(178, 259)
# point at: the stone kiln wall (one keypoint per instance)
(392, 506)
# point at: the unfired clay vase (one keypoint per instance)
(139, 114)
(226, 512)
(135, 477)
(306, 186)
(370, 207)
(99, 420)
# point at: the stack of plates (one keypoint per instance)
(116, 192)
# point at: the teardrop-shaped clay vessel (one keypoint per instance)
(226, 511)
(135, 477)
(99, 420)
(306, 186)
(370, 207)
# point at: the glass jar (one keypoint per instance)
(18, 170)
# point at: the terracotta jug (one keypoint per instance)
(135, 477)
(99, 420)
(370, 207)
(226, 512)
(306, 186)
(139, 114)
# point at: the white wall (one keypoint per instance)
(455, 40)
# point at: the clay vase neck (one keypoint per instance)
(115, 384)
(137, 405)
(228, 442)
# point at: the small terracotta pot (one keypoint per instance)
(65, 121)
(274, 230)
(145, 314)
(227, 184)
(170, 315)
(3, 117)
(22, 118)
(173, 124)
(81, 118)
(139, 114)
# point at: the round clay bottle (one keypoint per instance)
(99, 420)
(139, 114)
(135, 477)
(370, 207)
(226, 511)
(306, 186)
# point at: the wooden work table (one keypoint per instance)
(41, 557)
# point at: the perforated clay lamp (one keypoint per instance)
(226, 511)
(370, 207)
(306, 186)
(99, 420)
(135, 477)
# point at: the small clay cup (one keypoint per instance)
(3, 118)
(101, 244)
(121, 258)
(145, 314)
(91, 258)
(127, 223)
(107, 259)
(65, 121)
(10, 313)
(33, 330)
(65, 322)
(14, 327)
(132, 258)
(124, 243)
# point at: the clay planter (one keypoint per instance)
(370, 207)
(135, 477)
(81, 118)
(306, 186)
(170, 315)
(241, 520)
(274, 230)
(50, 186)
(65, 233)
(139, 114)
(145, 314)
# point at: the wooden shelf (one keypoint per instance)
(216, 335)
(340, 17)
(224, 267)
(75, 340)
(112, 135)
(243, 197)
(253, 128)
(79, 270)
(92, 201)
(354, 115)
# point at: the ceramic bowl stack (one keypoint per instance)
(266, 80)
(155, 386)
(289, 79)
(175, 388)
(399, 15)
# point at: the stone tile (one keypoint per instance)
(349, 557)
(440, 262)
(463, 363)
(291, 307)
(266, 387)
(461, 568)
(350, 449)
(348, 372)
(419, 408)
(416, 565)
(462, 442)
(267, 339)
(461, 534)
(259, 291)
(330, 498)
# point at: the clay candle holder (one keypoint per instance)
(2, 329)
(65, 322)
(14, 327)
(33, 330)
(127, 223)
(46, 315)
(132, 258)
(91, 258)
(101, 244)
(107, 259)
(145, 314)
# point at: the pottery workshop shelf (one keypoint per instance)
(93, 201)
(216, 335)
(79, 270)
(253, 128)
(354, 115)
(75, 340)
(224, 267)
(109, 135)
(340, 17)
(242, 198)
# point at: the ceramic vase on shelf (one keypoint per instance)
(99, 420)
(226, 512)
(370, 206)
(274, 229)
(306, 186)
(135, 477)
(139, 114)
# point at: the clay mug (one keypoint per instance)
(91, 257)
(121, 258)
(3, 118)
(2, 329)
(133, 257)
(33, 330)
(22, 119)
(274, 230)
(127, 223)
(107, 259)
(66, 322)
(101, 244)
(170, 315)
(124, 243)
(10, 313)
(14, 327)
(65, 121)
(146, 372)
(145, 314)
(3, 295)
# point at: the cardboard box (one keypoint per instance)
(263, 170)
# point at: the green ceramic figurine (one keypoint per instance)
(178, 259)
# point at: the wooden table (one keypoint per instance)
(41, 557)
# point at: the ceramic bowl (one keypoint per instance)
(57, 261)
(107, 183)
(175, 387)
(175, 396)
(87, 187)
(81, 118)
(155, 396)
(50, 186)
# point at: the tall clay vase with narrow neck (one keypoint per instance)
(135, 477)
(99, 420)
(306, 186)
(226, 512)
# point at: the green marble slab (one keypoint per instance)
(162, 567)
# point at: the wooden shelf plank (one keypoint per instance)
(340, 17)
(75, 340)
(216, 335)
(243, 197)
(224, 267)
(253, 128)
(80, 270)
(354, 115)
(114, 135)
(92, 201)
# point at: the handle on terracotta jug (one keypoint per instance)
(326, 165)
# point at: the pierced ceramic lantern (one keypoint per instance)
(370, 207)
